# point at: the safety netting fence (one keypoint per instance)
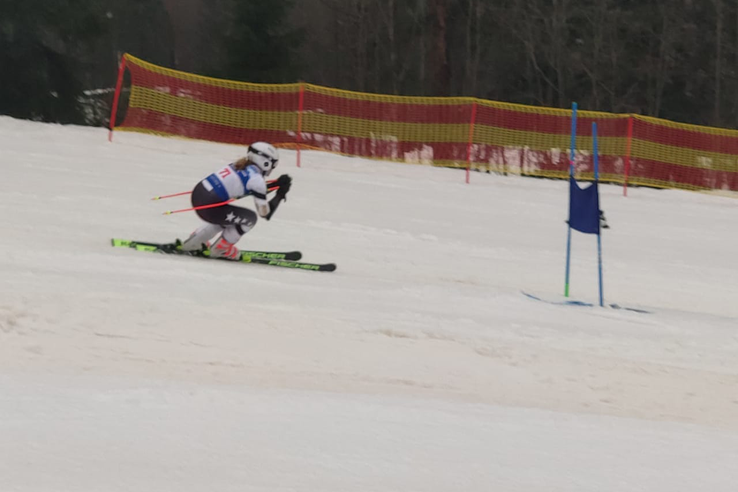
(459, 132)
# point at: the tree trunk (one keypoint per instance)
(362, 55)
(735, 96)
(441, 68)
(559, 33)
(478, 44)
(718, 59)
(391, 26)
(422, 78)
(468, 48)
(662, 65)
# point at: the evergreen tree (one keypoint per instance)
(41, 43)
(260, 44)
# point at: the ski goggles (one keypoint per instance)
(272, 160)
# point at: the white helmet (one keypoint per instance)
(264, 155)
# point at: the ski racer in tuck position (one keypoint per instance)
(241, 178)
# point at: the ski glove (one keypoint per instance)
(284, 182)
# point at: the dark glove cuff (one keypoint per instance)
(273, 204)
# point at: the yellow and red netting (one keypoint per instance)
(459, 132)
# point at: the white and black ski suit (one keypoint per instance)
(230, 183)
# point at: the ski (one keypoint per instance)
(171, 248)
(269, 258)
(300, 265)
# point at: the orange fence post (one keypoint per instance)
(627, 154)
(471, 139)
(300, 106)
(116, 96)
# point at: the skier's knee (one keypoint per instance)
(244, 227)
(232, 234)
(248, 221)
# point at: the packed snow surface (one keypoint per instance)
(418, 365)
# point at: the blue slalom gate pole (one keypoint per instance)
(599, 234)
(572, 148)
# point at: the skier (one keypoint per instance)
(241, 178)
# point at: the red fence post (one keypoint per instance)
(300, 107)
(114, 109)
(471, 139)
(628, 142)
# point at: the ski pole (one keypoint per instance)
(212, 205)
(269, 189)
(170, 196)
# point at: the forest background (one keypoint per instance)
(672, 59)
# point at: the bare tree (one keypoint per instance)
(473, 47)
(441, 68)
(558, 35)
(718, 59)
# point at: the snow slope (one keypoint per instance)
(418, 365)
